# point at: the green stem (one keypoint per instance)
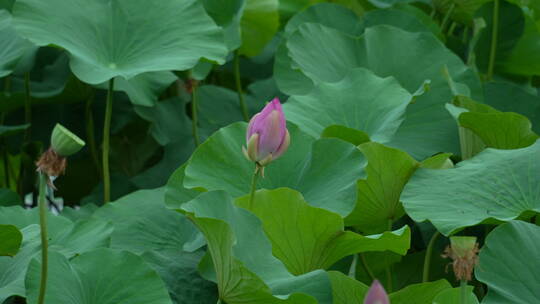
(352, 269)
(254, 185)
(42, 202)
(427, 258)
(366, 266)
(243, 106)
(90, 137)
(494, 36)
(194, 116)
(218, 301)
(447, 16)
(451, 29)
(6, 165)
(27, 105)
(106, 142)
(463, 291)
(389, 268)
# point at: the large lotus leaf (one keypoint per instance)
(245, 269)
(499, 184)
(11, 240)
(227, 14)
(306, 238)
(523, 59)
(422, 293)
(144, 89)
(500, 130)
(353, 136)
(347, 290)
(324, 171)
(453, 295)
(499, 93)
(406, 17)
(378, 201)
(511, 24)
(122, 277)
(143, 223)
(169, 120)
(107, 39)
(20, 218)
(14, 48)
(361, 101)
(328, 14)
(510, 271)
(178, 269)
(387, 51)
(73, 239)
(9, 198)
(259, 23)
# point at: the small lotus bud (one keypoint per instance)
(53, 161)
(267, 136)
(376, 294)
(64, 142)
(463, 250)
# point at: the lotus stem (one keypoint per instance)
(238, 80)
(27, 105)
(42, 202)
(427, 258)
(194, 116)
(106, 143)
(494, 36)
(254, 179)
(463, 291)
(447, 16)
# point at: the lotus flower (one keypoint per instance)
(267, 136)
(376, 294)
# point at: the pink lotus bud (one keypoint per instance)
(376, 294)
(267, 136)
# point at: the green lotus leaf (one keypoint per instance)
(353, 136)
(79, 281)
(14, 48)
(144, 89)
(110, 39)
(453, 295)
(306, 238)
(11, 240)
(498, 184)
(526, 102)
(378, 200)
(66, 238)
(361, 101)
(422, 293)
(387, 51)
(508, 263)
(500, 130)
(241, 253)
(143, 223)
(324, 171)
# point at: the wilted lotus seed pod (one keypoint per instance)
(376, 294)
(267, 136)
(63, 144)
(463, 251)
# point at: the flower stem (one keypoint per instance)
(90, 137)
(389, 268)
(463, 292)
(243, 106)
(194, 117)
(42, 202)
(447, 16)
(366, 266)
(27, 105)
(106, 142)
(352, 269)
(254, 185)
(427, 258)
(494, 36)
